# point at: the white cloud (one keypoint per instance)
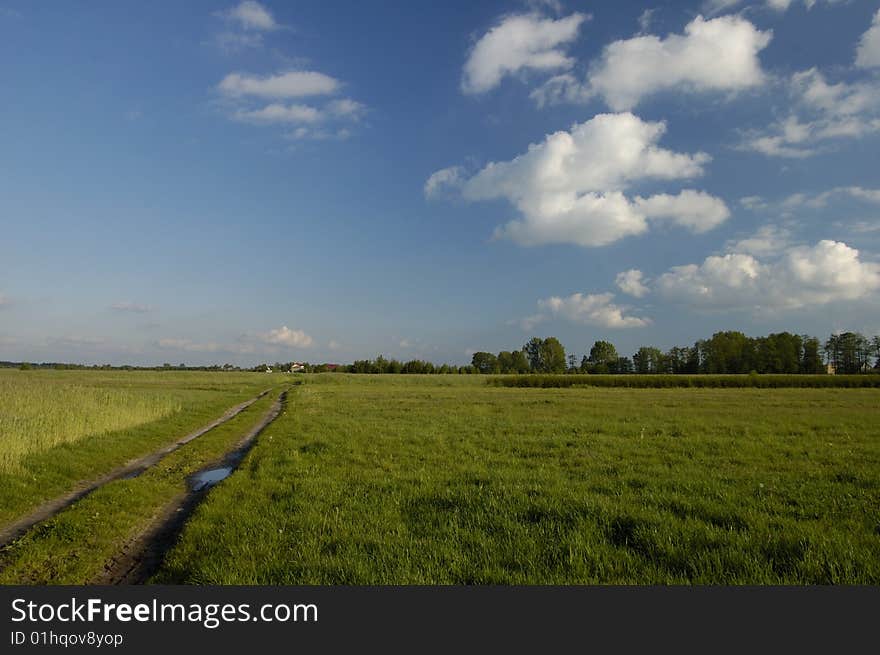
(801, 276)
(715, 7)
(591, 309)
(696, 210)
(767, 240)
(868, 50)
(632, 283)
(279, 113)
(645, 19)
(517, 43)
(821, 112)
(346, 107)
(783, 5)
(334, 345)
(529, 323)
(334, 115)
(753, 203)
(819, 200)
(251, 15)
(444, 179)
(292, 84)
(284, 336)
(126, 306)
(569, 187)
(716, 55)
(312, 134)
(233, 42)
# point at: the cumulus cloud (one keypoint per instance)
(591, 309)
(868, 50)
(444, 179)
(569, 187)
(518, 43)
(715, 55)
(695, 210)
(126, 306)
(821, 112)
(801, 276)
(632, 283)
(284, 336)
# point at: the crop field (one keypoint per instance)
(457, 480)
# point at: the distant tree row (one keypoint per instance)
(724, 352)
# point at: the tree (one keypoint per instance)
(532, 351)
(552, 356)
(811, 355)
(677, 360)
(622, 365)
(848, 352)
(485, 362)
(545, 355)
(729, 352)
(603, 357)
(648, 360)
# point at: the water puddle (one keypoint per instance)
(207, 479)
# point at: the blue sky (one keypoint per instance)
(214, 182)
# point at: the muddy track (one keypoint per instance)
(131, 469)
(142, 556)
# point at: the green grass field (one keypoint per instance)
(448, 479)
(403, 480)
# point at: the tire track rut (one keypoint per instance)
(131, 469)
(142, 556)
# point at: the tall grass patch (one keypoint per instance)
(38, 413)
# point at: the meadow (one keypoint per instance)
(448, 480)
(453, 480)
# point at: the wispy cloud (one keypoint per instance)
(251, 15)
(249, 95)
(127, 306)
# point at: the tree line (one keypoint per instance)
(723, 353)
(729, 352)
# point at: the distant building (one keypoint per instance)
(829, 369)
(297, 367)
